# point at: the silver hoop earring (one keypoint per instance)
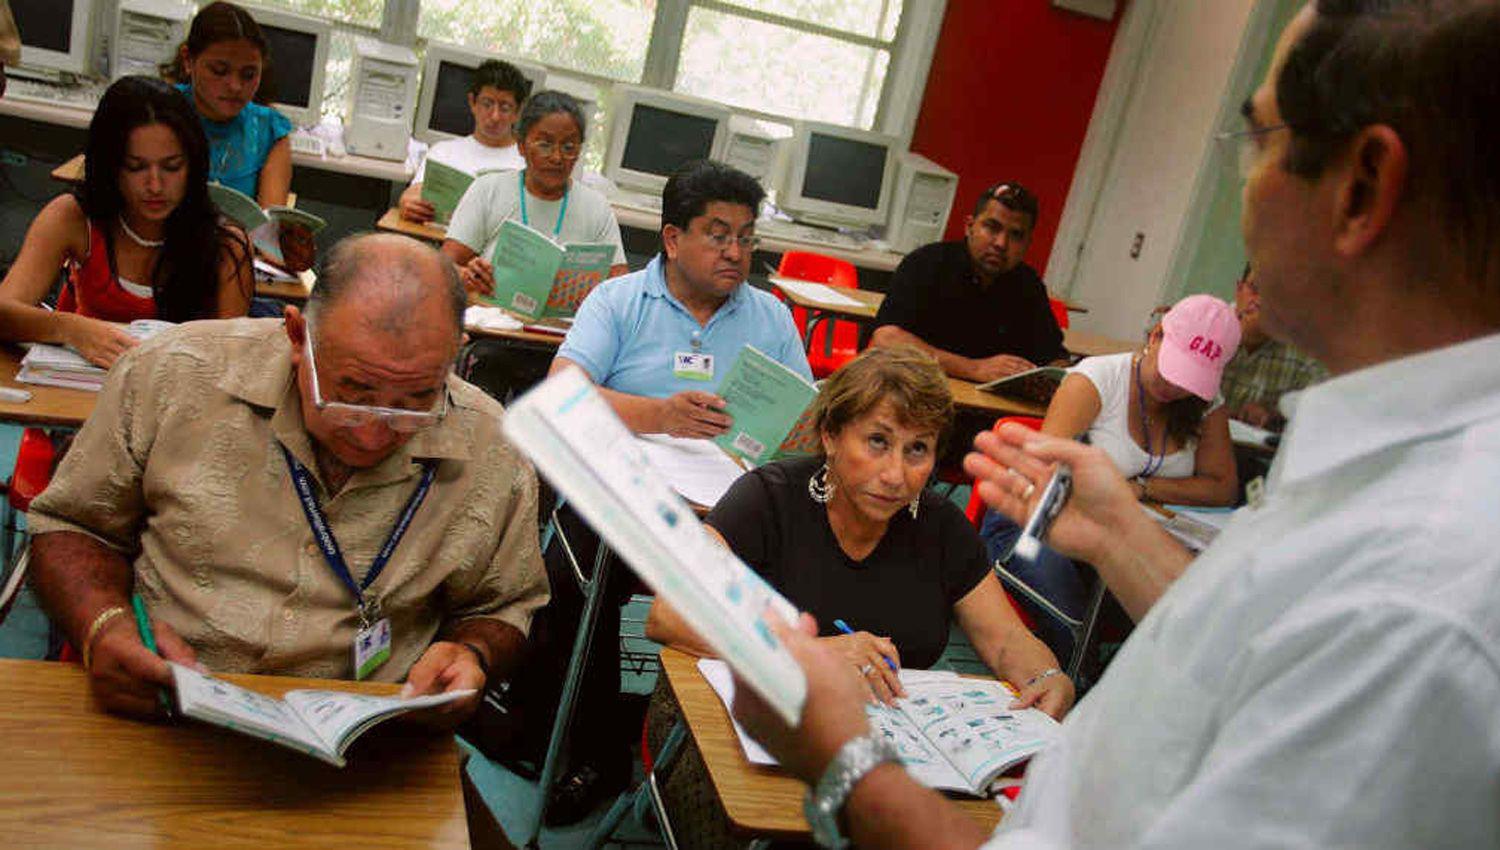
(819, 487)
(913, 506)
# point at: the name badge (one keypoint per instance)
(693, 365)
(372, 647)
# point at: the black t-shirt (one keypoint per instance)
(905, 589)
(936, 294)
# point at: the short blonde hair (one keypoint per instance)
(907, 377)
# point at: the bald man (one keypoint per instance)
(216, 451)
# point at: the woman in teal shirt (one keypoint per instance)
(219, 68)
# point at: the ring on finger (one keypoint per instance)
(866, 669)
(1026, 494)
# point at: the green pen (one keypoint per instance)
(143, 625)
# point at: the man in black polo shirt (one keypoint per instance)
(973, 304)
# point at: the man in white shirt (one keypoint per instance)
(1327, 673)
(495, 97)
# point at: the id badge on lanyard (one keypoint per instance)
(372, 643)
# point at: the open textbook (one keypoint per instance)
(578, 443)
(320, 723)
(535, 276)
(765, 399)
(1034, 385)
(59, 366)
(953, 733)
(263, 225)
(444, 186)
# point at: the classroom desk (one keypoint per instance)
(286, 290)
(392, 222)
(48, 405)
(968, 396)
(761, 801)
(77, 777)
(360, 166)
(1086, 344)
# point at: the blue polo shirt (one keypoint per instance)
(628, 329)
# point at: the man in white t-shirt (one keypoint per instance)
(1326, 673)
(495, 98)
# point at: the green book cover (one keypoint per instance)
(237, 206)
(765, 399)
(525, 264)
(584, 266)
(262, 226)
(443, 186)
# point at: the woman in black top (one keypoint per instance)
(853, 535)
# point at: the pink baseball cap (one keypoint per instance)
(1199, 336)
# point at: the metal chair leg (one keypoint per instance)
(1084, 635)
(648, 791)
(582, 644)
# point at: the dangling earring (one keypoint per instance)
(819, 487)
(913, 506)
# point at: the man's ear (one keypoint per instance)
(968, 223)
(1372, 186)
(296, 331)
(670, 233)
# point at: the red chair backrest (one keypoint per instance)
(34, 461)
(975, 509)
(819, 268)
(1059, 312)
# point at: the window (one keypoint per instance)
(603, 38)
(779, 67)
(363, 13)
(349, 18)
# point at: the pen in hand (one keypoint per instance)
(843, 628)
(143, 626)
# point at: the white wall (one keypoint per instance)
(1164, 134)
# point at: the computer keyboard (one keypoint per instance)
(307, 144)
(84, 95)
(789, 231)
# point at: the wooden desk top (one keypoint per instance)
(392, 222)
(763, 801)
(77, 777)
(48, 405)
(1093, 345)
(70, 171)
(287, 290)
(968, 396)
(869, 302)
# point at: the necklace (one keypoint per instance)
(136, 237)
(1153, 460)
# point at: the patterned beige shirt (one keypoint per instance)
(180, 468)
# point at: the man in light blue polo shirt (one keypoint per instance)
(658, 341)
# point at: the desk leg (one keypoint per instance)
(582, 642)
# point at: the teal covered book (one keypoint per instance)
(765, 399)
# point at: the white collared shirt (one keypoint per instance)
(1327, 674)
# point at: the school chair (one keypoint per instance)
(35, 457)
(830, 343)
(1081, 630)
(1059, 312)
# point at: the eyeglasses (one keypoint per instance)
(343, 415)
(545, 149)
(722, 241)
(1241, 145)
(489, 103)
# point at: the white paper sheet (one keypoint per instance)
(818, 292)
(697, 470)
(490, 319)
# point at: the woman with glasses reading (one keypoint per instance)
(542, 196)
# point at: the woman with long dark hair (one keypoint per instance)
(139, 239)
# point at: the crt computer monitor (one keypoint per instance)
(655, 132)
(299, 55)
(55, 34)
(443, 102)
(840, 175)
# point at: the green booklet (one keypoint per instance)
(536, 277)
(444, 186)
(765, 399)
(262, 225)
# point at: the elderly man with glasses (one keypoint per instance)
(316, 496)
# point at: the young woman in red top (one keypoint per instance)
(138, 240)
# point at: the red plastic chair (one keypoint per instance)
(975, 509)
(1059, 312)
(35, 457)
(826, 350)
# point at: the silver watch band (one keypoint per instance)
(856, 758)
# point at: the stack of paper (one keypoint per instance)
(697, 470)
(490, 319)
(59, 366)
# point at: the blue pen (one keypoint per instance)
(844, 628)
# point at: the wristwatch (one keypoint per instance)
(823, 802)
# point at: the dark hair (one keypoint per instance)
(699, 183)
(1427, 69)
(184, 279)
(907, 377)
(1011, 195)
(503, 76)
(548, 102)
(218, 22)
(1185, 418)
(347, 262)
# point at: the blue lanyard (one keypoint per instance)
(562, 211)
(1153, 461)
(302, 482)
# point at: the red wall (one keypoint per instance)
(1009, 97)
